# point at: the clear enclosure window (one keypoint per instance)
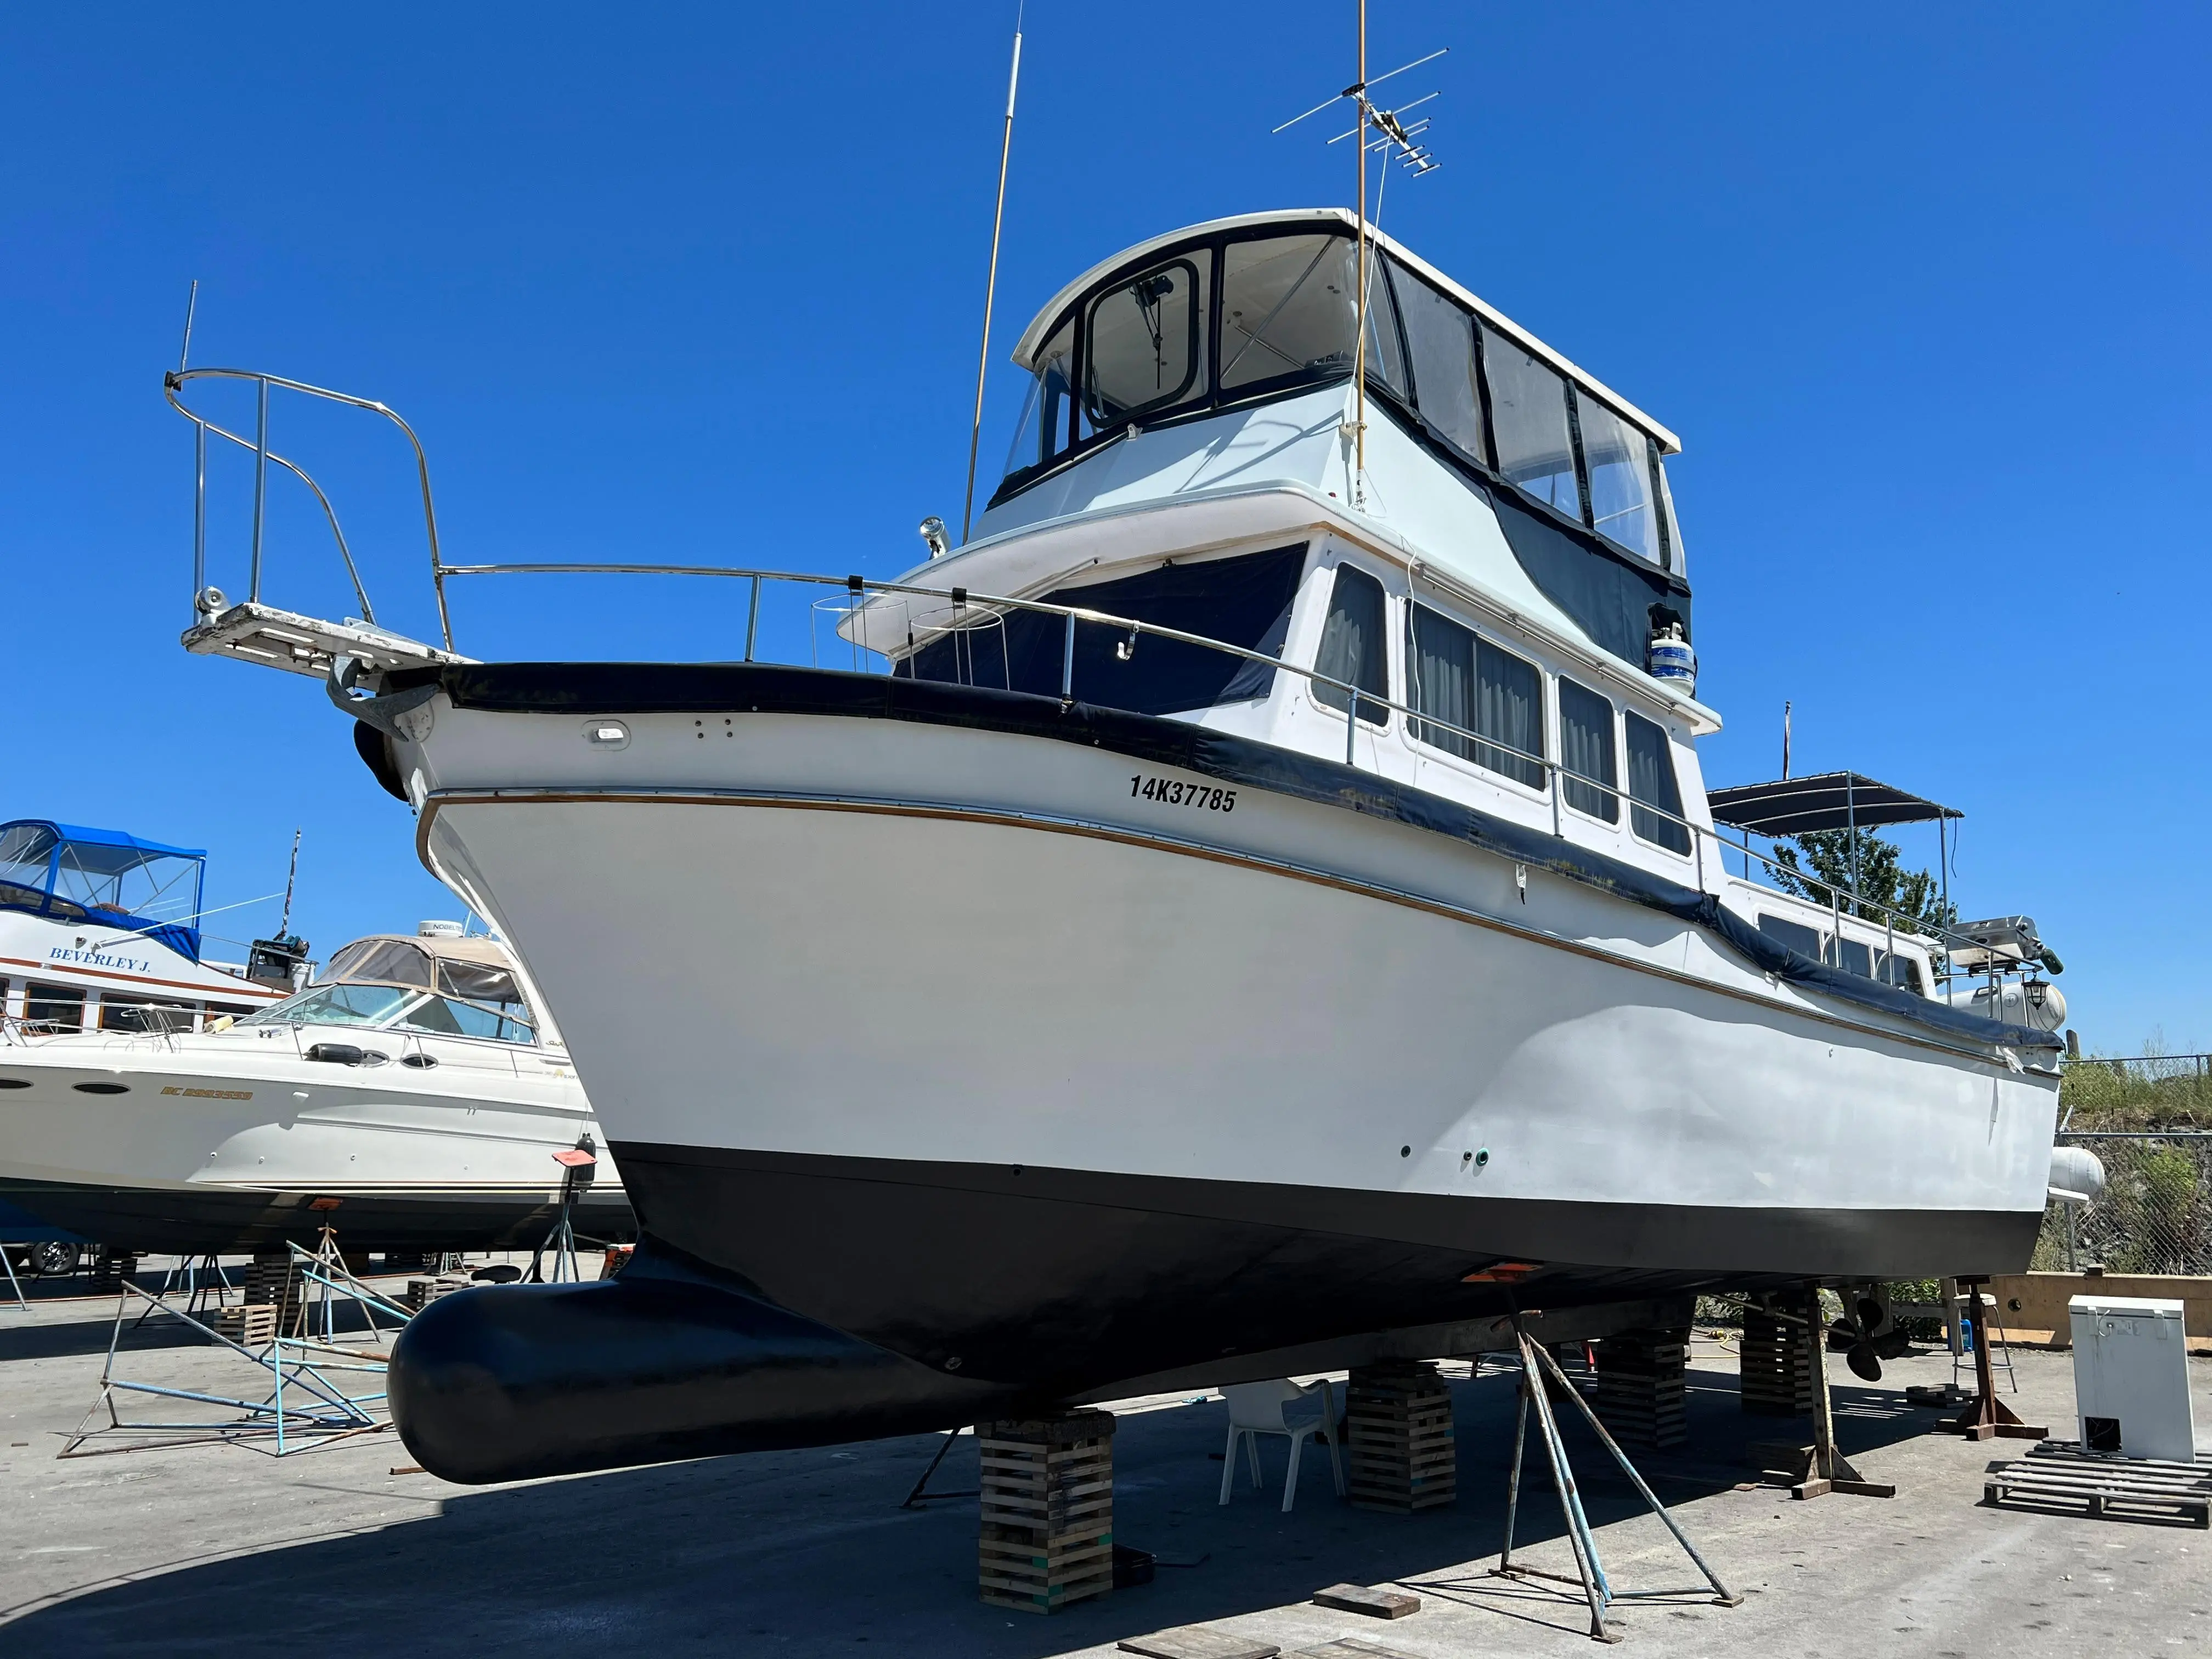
(1352, 648)
(1528, 413)
(390, 961)
(1042, 431)
(1286, 309)
(1651, 785)
(1242, 600)
(446, 1017)
(1618, 460)
(1586, 752)
(338, 1005)
(1146, 345)
(1440, 339)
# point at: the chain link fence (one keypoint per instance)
(2154, 1215)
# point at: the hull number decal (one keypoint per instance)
(1169, 793)
(209, 1094)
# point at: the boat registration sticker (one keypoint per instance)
(1168, 791)
(208, 1094)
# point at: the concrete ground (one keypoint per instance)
(216, 1548)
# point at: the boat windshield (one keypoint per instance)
(395, 985)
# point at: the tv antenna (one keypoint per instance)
(1396, 135)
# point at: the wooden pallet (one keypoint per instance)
(274, 1280)
(1046, 1536)
(1777, 1366)
(421, 1292)
(2059, 1475)
(1399, 1451)
(250, 1327)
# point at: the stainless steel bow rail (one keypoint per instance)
(346, 652)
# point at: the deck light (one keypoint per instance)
(933, 532)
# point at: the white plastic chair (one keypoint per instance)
(1256, 1408)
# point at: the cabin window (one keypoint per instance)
(1040, 434)
(1586, 753)
(152, 1019)
(1903, 972)
(1851, 956)
(1352, 648)
(1462, 679)
(1619, 459)
(1242, 600)
(1805, 941)
(1528, 414)
(1656, 814)
(1145, 347)
(59, 1007)
(1440, 340)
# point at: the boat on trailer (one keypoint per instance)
(1260, 890)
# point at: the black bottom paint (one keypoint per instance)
(784, 1300)
(218, 1220)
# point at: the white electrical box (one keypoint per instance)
(2131, 1378)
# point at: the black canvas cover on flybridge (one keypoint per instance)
(618, 688)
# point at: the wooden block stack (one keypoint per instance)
(1048, 1510)
(274, 1281)
(1640, 1394)
(1400, 1453)
(111, 1267)
(421, 1292)
(252, 1325)
(1777, 1370)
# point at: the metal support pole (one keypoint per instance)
(1563, 1484)
(752, 620)
(1350, 727)
(1068, 660)
(260, 486)
(199, 513)
(1513, 1480)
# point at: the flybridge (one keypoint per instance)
(107, 877)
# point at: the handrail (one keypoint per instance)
(173, 383)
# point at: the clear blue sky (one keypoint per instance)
(1924, 288)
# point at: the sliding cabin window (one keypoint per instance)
(1352, 648)
(1586, 753)
(59, 1007)
(1242, 600)
(1651, 785)
(1459, 676)
(1440, 342)
(1145, 347)
(1805, 941)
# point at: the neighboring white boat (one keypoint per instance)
(1270, 899)
(410, 1097)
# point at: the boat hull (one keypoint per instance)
(955, 1041)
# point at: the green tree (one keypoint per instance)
(1818, 866)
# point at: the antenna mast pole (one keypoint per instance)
(991, 283)
(284, 925)
(1360, 349)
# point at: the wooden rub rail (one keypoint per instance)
(2059, 1475)
(1048, 1510)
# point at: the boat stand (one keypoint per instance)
(1830, 1470)
(14, 1284)
(919, 1496)
(1536, 1365)
(1987, 1417)
(197, 1293)
(309, 1403)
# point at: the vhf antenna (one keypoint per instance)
(1401, 137)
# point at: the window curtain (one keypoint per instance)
(1443, 668)
(1586, 747)
(1651, 783)
(1352, 644)
(1509, 706)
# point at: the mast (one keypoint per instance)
(1359, 346)
(991, 283)
(284, 924)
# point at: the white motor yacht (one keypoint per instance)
(1260, 889)
(411, 1098)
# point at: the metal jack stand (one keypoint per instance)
(14, 1284)
(1986, 1416)
(919, 1496)
(1597, 1590)
(308, 1405)
(579, 1164)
